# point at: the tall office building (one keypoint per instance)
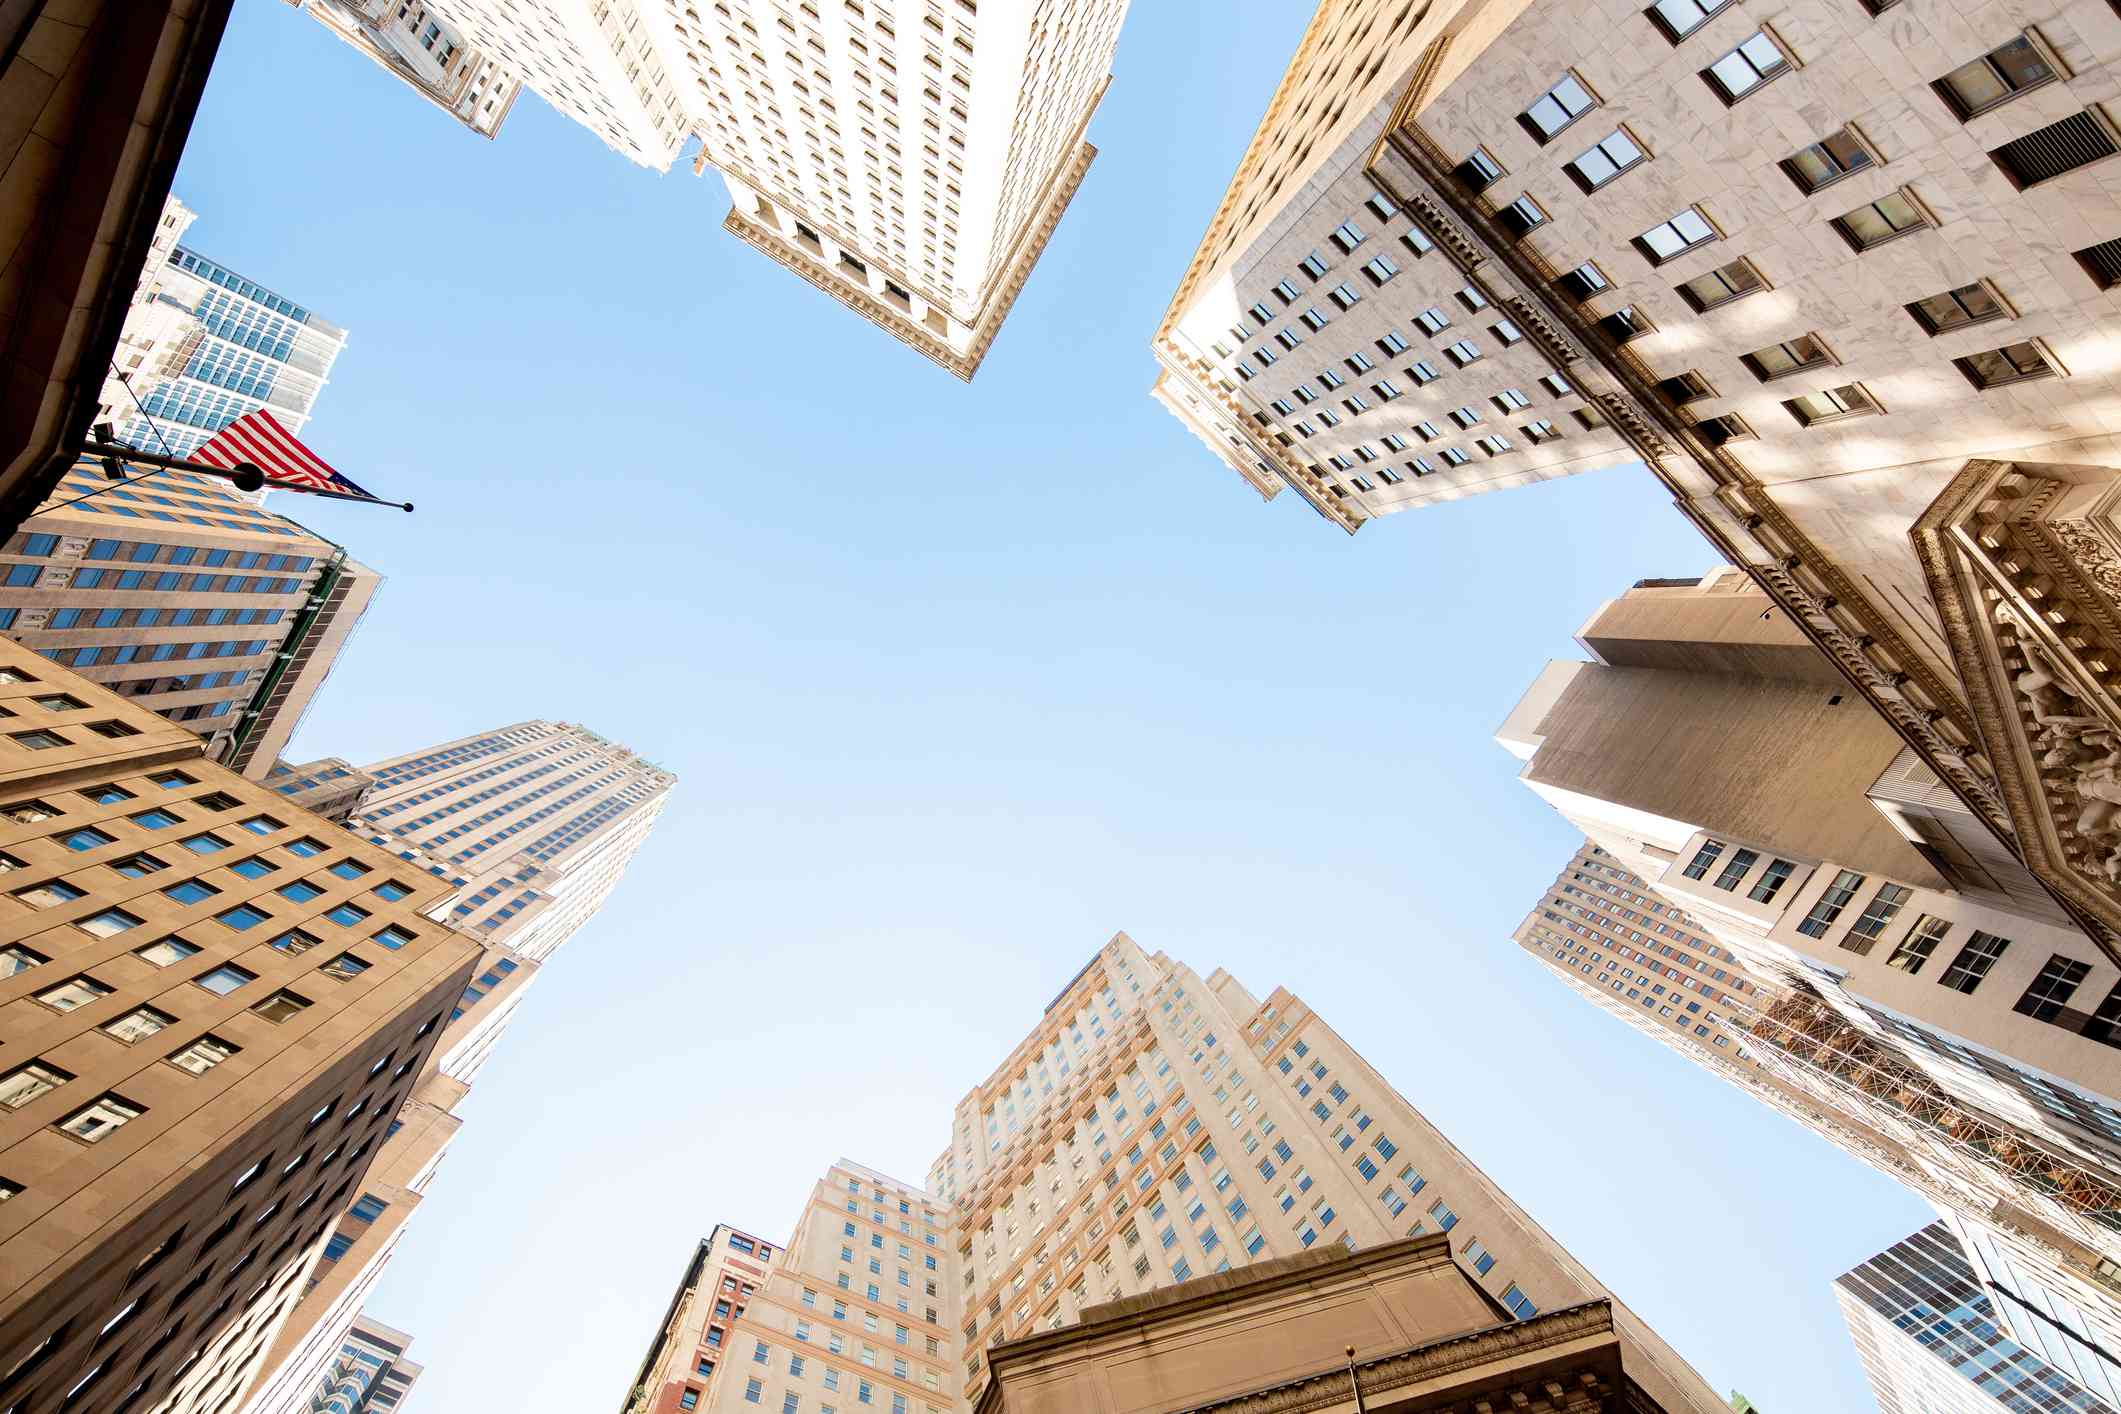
(212, 1004)
(1846, 287)
(1931, 1343)
(1923, 1002)
(1319, 1329)
(530, 828)
(910, 158)
(185, 596)
(202, 345)
(369, 1375)
(425, 53)
(1154, 1127)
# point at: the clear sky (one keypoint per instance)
(957, 681)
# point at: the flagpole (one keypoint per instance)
(246, 475)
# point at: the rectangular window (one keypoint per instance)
(1708, 854)
(1464, 353)
(1520, 1306)
(1445, 1218)
(1583, 282)
(1888, 218)
(1771, 882)
(1479, 171)
(1606, 159)
(1680, 18)
(1876, 914)
(1830, 904)
(1722, 285)
(1974, 961)
(1558, 107)
(2013, 363)
(1831, 405)
(2102, 262)
(1955, 309)
(1827, 161)
(1741, 863)
(1522, 216)
(1913, 950)
(2047, 153)
(1738, 74)
(1379, 269)
(95, 1122)
(1667, 240)
(1347, 235)
(1789, 356)
(2057, 982)
(1995, 78)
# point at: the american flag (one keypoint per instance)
(259, 438)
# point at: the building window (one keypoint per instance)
(1708, 854)
(1995, 78)
(1771, 882)
(280, 1006)
(1888, 218)
(1585, 281)
(1722, 285)
(1743, 71)
(1624, 324)
(93, 1123)
(1974, 961)
(1479, 1258)
(1680, 18)
(1539, 430)
(1606, 160)
(1558, 107)
(1520, 1305)
(1683, 388)
(1347, 235)
(1670, 239)
(1955, 309)
(2102, 262)
(203, 1055)
(2013, 363)
(1724, 428)
(1790, 356)
(1913, 950)
(1521, 216)
(1830, 904)
(1463, 353)
(2046, 153)
(1831, 405)
(2057, 982)
(1876, 914)
(1741, 863)
(25, 1083)
(1480, 170)
(1379, 269)
(1828, 160)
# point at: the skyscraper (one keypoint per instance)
(1155, 1126)
(530, 827)
(214, 1004)
(908, 158)
(370, 1375)
(1931, 1344)
(426, 54)
(1920, 999)
(1851, 310)
(203, 345)
(185, 596)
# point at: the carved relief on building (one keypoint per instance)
(2024, 564)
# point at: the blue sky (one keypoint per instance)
(958, 681)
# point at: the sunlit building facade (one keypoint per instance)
(1156, 1127)
(529, 827)
(427, 54)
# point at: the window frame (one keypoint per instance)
(2051, 367)
(1863, 405)
(1649, 252)
(1583, 180)
(1873, 159)
(2032, 40)
(1925, 220)
(1761, 80)
(1539, 133)
(2003, 309)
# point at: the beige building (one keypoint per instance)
(910, 158)
(1156, 1127)
(1920, 988)
(212, 1004)
(189, 598)
(426, 54)
(1842, 280)
(529, 827)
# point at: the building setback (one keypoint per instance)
(529, 828)
(212, 1003)
(1154, 1128)
(370, 1375)
(189, 599)
(1479, 244)
(426, 54)
(1922, 1001)
(1931, 1343)
(909, 159)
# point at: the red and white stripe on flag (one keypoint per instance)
(258, 437)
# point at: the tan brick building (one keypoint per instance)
(1843, 277)
(1156, 1127)
(185, 596)
(1914, 994)
(212, 1005)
